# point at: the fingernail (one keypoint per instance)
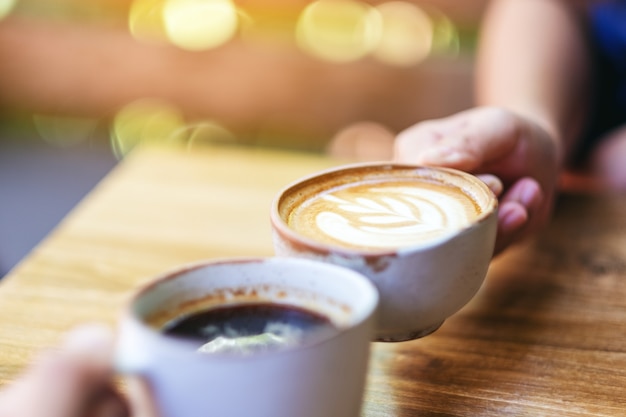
(492, 182)
(529, 194)
(511, 218)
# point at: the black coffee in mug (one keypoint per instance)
(251, 327)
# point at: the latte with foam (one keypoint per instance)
(393, 208)
(423, 235)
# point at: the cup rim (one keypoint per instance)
(359, 279)
(283, 228)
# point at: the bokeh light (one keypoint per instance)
(145, 20)
(206, 132)
(339, 30)
(5, 7)
(200, 24)
(407, 34)
(145, 122)
(446, 38)
(64, 132)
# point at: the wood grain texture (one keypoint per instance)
(545, 336)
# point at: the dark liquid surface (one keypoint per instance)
(249, 328)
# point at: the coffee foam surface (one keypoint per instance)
(382, 215)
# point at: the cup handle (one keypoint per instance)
(138, 349)
(131, 355)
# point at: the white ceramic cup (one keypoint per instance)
(322, 378)
(421, 284)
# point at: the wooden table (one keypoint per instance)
(545, 336)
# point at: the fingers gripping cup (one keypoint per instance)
(424, 236)
(272, 337)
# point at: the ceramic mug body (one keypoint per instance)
(322, 378)
(419, 285)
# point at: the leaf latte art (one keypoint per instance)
(385, 215)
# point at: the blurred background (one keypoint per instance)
(84, 82)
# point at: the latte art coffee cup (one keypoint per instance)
(423, 235)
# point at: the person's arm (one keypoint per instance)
(534, 60)
(533, 78)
